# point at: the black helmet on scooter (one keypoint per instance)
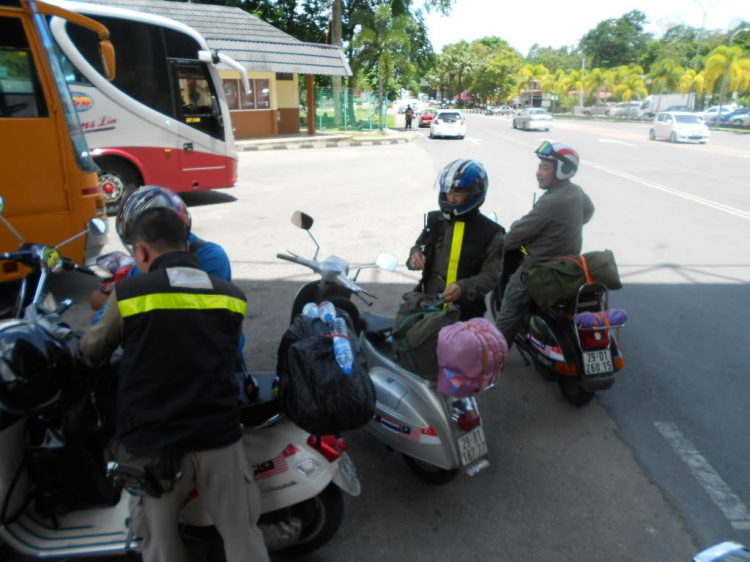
(465, 176)
(149, 197)
(34, 367)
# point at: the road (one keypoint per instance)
(655, 468)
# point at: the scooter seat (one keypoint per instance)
(376, 323)
(264, 405)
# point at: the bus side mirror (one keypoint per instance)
(2, 205)
(107, 53)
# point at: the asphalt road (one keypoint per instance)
(607, 482)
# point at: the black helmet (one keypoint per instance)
(464, 174)
(149, 197)
(34, 367)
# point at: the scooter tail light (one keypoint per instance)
(469, 420)
(329, 446)
(593, 339)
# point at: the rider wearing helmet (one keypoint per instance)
(554, 227)
(460, 250)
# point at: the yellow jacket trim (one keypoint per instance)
(456, 244)
(180, 301)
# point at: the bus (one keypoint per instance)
(47, 177)
(164, 120)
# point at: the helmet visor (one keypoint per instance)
(450, 179)
(546, 149)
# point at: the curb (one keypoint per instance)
(318, 145)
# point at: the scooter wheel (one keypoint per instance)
(573, 393)
(321, 517)
(430, 473)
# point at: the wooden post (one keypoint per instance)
(310, 83)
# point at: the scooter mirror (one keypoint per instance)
(302, 220)
(387, 261)
(2, 205)
(97, 226)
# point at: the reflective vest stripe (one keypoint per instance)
(456, 243)
(180, 301)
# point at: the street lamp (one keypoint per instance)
(726, 74)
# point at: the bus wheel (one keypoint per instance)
(117, 180)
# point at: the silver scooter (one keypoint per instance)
(438, 435)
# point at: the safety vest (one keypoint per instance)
(181, 327)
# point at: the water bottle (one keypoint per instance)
(326, 311)
(310, 310)
(342, 347)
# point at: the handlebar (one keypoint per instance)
(70, 265)
(286, 257)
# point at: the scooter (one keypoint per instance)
(437, 435)
(582, 360)
(56, 497)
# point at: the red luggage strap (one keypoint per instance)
(583, 265)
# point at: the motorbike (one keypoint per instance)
(582, 360)
(58, 497)
(438, 436)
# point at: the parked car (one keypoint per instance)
(533, 118)
(501, 110)
(426, 117)
(739, 116)
(682, 108)
(625, 110)
(448, 123)
(598, 109)
(711, 114)
(679, 126)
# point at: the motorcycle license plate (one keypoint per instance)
(597, 362)
(472, 446)
(346, 466)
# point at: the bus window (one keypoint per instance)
(21, 94)
(197, 98)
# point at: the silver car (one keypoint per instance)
(533, 118)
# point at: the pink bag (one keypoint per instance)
(469, 355)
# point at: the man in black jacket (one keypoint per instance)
(177, 410)
(460, 251)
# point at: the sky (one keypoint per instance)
(563, 22)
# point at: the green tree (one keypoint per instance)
(630, 87)
(616, 41)
(383, 46)
(497, 74)
(732, 62)
(532, 75)
(695, 82)
(665, 76)
(464, 61)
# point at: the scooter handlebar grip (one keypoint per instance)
(286, 257)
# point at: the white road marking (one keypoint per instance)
(717, 489)
(617, 142)
(707, 202)
(475, 141)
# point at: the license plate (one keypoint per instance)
(597, 362)
(347, 468)
(472, 446)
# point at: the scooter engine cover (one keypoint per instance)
(34, 367)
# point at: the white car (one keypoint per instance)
(679, 126)
(712, 113)
(448, 123)
(533, 118)
(625, 110)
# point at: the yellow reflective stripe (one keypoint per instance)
(458, 240)
(180, 301)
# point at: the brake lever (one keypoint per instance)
(364, 300)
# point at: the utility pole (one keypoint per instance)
(337, 109)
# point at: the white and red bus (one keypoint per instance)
(164, 119)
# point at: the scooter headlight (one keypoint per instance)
(308, 467)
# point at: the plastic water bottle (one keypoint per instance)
(342, 347)
(326, 311)
(310, 310)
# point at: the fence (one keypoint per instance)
(349, 110)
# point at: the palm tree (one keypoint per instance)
(383, 44)
(630, 87)
(665, 75)
(574, 80)
(695, 82)
(728, 63)
(532, 75)
(595, 81)
(464, 61)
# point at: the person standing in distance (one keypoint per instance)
(177, 410)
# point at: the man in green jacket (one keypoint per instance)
(554, 227)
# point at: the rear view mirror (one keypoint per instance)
(107, 53)
(97, 226)
(387, 261)
(302, 220)
(2, 205)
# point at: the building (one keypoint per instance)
(274, 61)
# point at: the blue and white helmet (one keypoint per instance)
(463, 174)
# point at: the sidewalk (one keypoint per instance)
(329, 140)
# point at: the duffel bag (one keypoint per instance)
(313, 391)
(415, 336)
(554, 281)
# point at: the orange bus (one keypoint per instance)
(47, 176)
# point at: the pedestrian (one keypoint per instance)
(177, 417)
(554, 227)
(460, 251)
(409, 117)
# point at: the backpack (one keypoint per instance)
(469, 355)
(415, 337)
(313, 391)
(554, 281)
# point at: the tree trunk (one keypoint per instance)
(380, 98)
